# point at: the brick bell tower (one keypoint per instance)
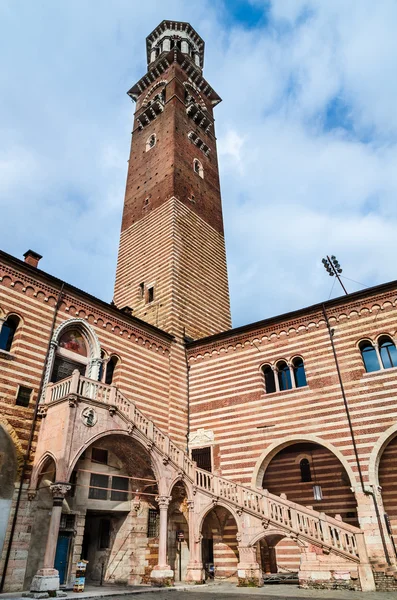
(171, 265)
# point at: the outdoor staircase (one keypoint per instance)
(274, 511)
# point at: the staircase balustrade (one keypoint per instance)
(288, 515)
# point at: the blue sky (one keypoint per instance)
(307, 138)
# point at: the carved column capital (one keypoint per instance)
(163, 502)
(59, 491)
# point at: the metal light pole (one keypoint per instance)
(333, 268)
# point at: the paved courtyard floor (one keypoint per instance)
(217, 591)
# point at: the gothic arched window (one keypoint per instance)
(388, 352)
(299, 372)
(7, 333)
(369, 356)
(110, 367)
(284, 376)
(198, 168)
(306, 474)
(270, 382)
(71, 354)
(151, 142)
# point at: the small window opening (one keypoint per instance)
(202, 456)
(7, 333)
(150, 294)
(110, 367)
(151, 142)
(284, 376)
(299, 372)
(142, 290)
(153, 523)
(198, 168)
(270, 382)
(98, 487)
(388, 352)
(99, 455)
(146, 202)
(23, 396)
(306, 474)
(369, 356)
(119, 490)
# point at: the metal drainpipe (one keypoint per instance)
(30, 441)
(188, 399)
(366, 492)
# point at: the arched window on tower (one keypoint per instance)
(7, 333)
(299, 372)
(369, 356)
(110, 368)
(306, 474)
(151, 142)
(270, 382)
(388, 352)
(198, 168)
(284, 376)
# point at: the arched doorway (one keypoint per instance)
(387, 480)
(112, 503)
(311, 475)
(8, 473)
(279, 555)
(219, 544)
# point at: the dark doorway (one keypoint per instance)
(202, 456)
(64, 368)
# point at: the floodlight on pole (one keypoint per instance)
(333, 268)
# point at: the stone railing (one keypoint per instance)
(275, 510)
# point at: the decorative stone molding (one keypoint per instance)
(42, 411)
(201, 437)
(59, 490)
(163, 502)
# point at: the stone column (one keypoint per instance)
(47, 579)
(162, 573)
(248, 570)
(195, 571)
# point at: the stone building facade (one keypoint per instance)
(152, 440)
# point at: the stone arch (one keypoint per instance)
(155, 458)
(210, 506)
(275, 531)
(278, 551)
(93, 345)
(38, 468)
(190, 85)
(8, 477)
(158, 84)
(263, 461)
(220, 536)
(187, 484)
(374, 460)
(20, 456)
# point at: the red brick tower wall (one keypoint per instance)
(172, 229)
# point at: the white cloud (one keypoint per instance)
(297, 182)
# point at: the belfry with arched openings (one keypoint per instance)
(152, 440)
